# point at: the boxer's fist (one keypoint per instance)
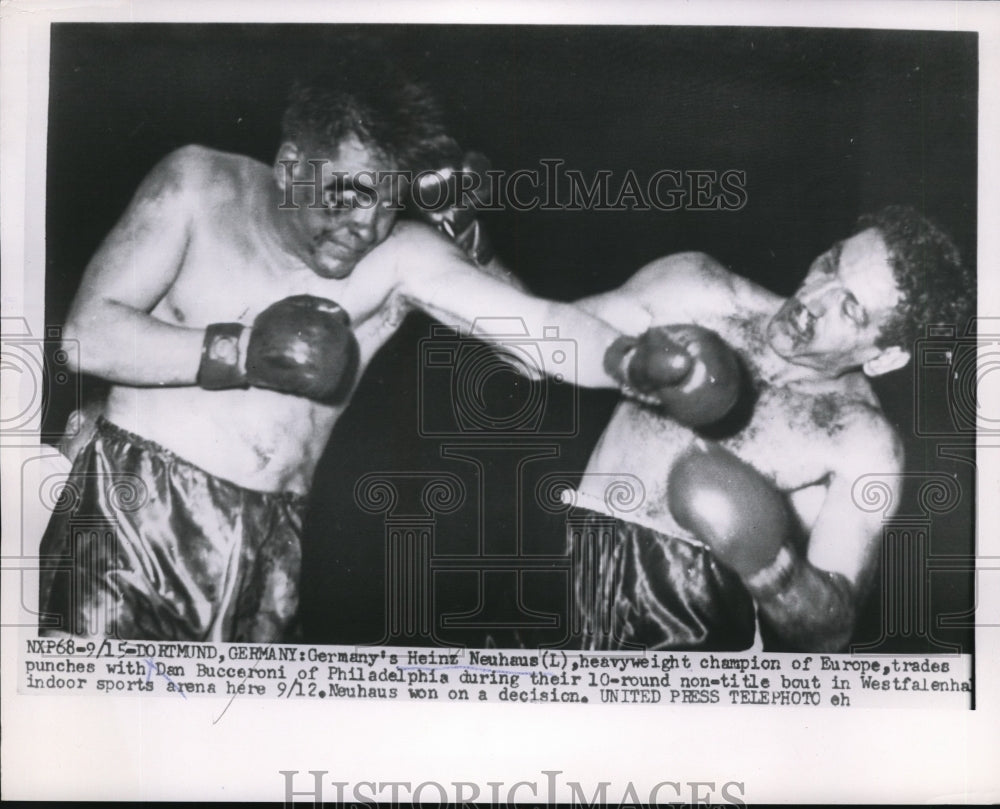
(729, 506)
(448, 199)
(301, 345)
(687, 370)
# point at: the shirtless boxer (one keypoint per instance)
(233, 326)
(710, 539)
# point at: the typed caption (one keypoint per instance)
(187, 670)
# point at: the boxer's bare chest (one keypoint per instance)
(792, 435)
(258, 438)
(230, 273)
(789, 432)
(789, 436)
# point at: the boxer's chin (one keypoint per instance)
(779, 336)
(334, 264)
(333, 273)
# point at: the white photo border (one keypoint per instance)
(88, 748)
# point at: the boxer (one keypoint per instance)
(232, 308)
(753, 513)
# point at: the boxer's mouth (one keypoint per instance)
(801, 319)
(338, 247)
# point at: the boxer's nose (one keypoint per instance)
(363, 224)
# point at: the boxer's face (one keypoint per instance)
(344, 203)
(834, 319)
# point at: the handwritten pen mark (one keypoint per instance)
(245, 678)
(151, 667)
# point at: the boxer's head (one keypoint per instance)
(865, 301)
(350, 138)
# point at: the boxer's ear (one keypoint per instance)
(285, 164)
(889, 359)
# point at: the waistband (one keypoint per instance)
(108, 429)
(588, 504)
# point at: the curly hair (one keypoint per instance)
(363, 94)
(937, 287)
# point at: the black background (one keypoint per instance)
(827, 124)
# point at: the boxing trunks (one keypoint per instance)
(636, 588)
(144, 545)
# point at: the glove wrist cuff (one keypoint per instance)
(222, 356)
(645, 398)
(617, 358)
(618, 361)
(473, 241)
(773, 579)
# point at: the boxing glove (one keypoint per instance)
(301, 345)
(733, 509)
(448, 199)
(687, 370)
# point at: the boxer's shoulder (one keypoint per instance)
(696, 282)
(419, 242)
(683, 268)
(413, 255)
(200, 174)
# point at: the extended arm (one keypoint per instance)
(660, 369)
(433, 275)
(674, 289)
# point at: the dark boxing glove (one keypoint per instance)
(689, 371)
(736, 511)
(301, 345)
(448, 199)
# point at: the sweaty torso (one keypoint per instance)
(789, 431)
(230, 271)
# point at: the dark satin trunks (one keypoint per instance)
(635, 588)
(144, 545)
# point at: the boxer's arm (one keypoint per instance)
(495, 268)
(679, 288)
(133, 268)
(812, 601)
(433, 275)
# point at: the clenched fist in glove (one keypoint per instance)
(448, 199)
(733, 509)
(301, 345)
(689, 371)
